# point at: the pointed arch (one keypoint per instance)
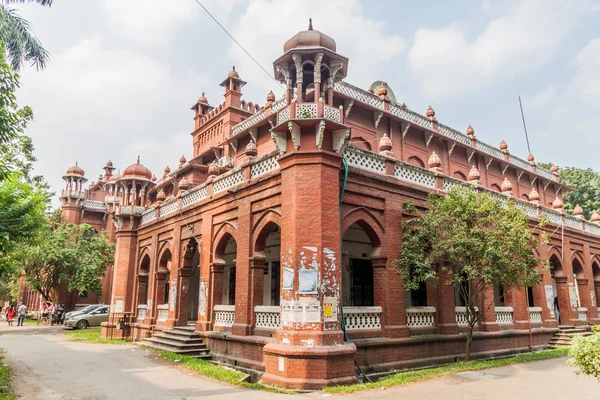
(577, 265)
(369, 223)
(225, 231)
(264, 225)
(416, 161)
(459, 175)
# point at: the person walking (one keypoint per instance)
(10, 316)
(22, 312)
(60, 310)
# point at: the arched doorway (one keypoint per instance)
(143, 272)
(194, 291)
(226, 253)
(163, 278)
(268, 247)
(357, 269)
(556, 271)
(596, 275)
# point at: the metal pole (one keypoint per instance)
(524, 126)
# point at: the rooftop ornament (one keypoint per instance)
(182, 161)
(595, 217)
(506, 186)
(578, 211)
(534, 196)
(471, 132)
(251, 150)
(385, 146)
(558, 204)
(434, 162)
(474, 176)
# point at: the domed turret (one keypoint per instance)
(202, 99)
(233, 74)
(309, 38)
(137, 171)
(75, 171)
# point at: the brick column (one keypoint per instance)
(446, 307)
(243, 313)
(175, 278)
(584, 296)
(256, 279)
(309, 352)
(567, 316)
(215, 289)
(206, 275)
(487, 312)
(517, 299)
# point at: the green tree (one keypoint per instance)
(75, 253)
(585, 354)
(471, 242)
(15, 32)
(586, 188)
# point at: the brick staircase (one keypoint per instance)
(180, 340)
(565, 334)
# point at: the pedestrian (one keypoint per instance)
(556, 309)
(60, 310)
(10, 316)
(22, 312)
(51, 312)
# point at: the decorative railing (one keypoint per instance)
(461, 315)
(264, 166)
(486, 148)
(454, 134)
(365, 160)
(519, 162)
(267, 317)
(148, 216)
(449, 183)
(582, 314)
(306, 110)
(528, 209)
(553, 216)
(545, 173)
(162, 312)
(535, 315)
(409, 173)
(168, 208)
(126, 210)
(72, 193)
(113, 199)
(248, 122)
(333, 114)
(592, 228)
(284, 115)
(142, 311)
(573, 222)
(411, 116)
(418, 317)
(279, 104)
(194, 195)
(362, 318)
(504, 315)
(93, 205)
(358, 94)
(224, 315)
(228, 180)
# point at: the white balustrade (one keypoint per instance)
(418, 317)
(486, 148)
(545, 173)
(267, 317)
(454, 134)
(592, 228)
(411, 116)
(278, 105)
(263, 166)
(142, 311)
(194, 195)
(504, 315)
(148, 216)
(573, 222)
(228, 180)
(248, 122)
(93, 205)
(528, 208)
(535, 315)
(362, 318)
(358, 94)
(553, 216)
(162, 312)
(410, 173)
(365, 160)
(461, 315)
(333, 114)
(582, 314)
(168, 207)
(224, 315)
(284, 115)
(306, 110)
(519, 162)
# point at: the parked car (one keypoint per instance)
(83, 320)
(84, 310)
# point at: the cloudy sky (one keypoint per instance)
(124, 73)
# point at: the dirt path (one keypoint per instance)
(48, 367)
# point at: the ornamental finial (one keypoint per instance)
(310, 28)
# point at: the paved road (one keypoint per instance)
(49, 367)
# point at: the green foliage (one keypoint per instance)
(6, 392)
(16, 34)
(472, 242)
(92, 335)
(586, 189)
(67, 252)
(404, 378)
(585, 353)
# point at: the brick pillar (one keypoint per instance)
(183, 282)
(309, 352)
(123, 299)
(243, 311)
(215, 288)
(487, 312)
(567, 316)
(177, 278)
(256, 279)
(446, 308)
(517, 299)
(584, 296)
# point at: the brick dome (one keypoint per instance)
(202, 99)
(76, 171)
(233, 73)
(309, 38)
(109, 163)
(137, 171)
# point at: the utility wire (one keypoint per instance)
(238, 43)
(524, 126)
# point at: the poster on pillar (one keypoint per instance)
(330, 309)
(173, 296)
(202, 298)
(288, 278)
(549, 299)
(593, 298)
(307, 281)
(573, 295)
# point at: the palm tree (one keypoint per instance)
(19, 42)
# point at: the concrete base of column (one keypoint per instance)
(302, 367)
(489, 327)
(449, 329)
(241, 329)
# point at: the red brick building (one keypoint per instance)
(290, 212)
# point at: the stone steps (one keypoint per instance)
(180, 340)
(564, 337)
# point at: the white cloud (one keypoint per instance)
(266, 25)
(450, 64)
(94, 103)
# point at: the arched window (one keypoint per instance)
(459, 175)
(416, 161)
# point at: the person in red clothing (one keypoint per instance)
(10, 315)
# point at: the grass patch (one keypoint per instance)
(215, 372)
(403, 378)
(91, 335)
(6, 392)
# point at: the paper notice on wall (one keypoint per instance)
(286, 312)
(149, 304)
(307, 281)
(119, 306)
(573, 295)
(549, 299)
(312, 311)
(330, 309)
(593, 298)
(202, 299)
(288, 279)
(173, 296)
(297, 312)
